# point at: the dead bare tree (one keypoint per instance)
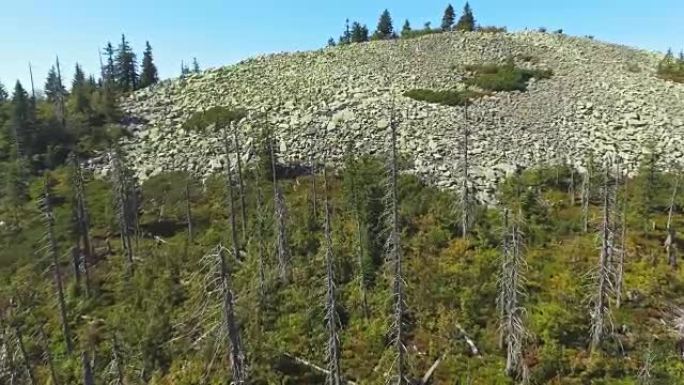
(47, 355)
(622, 252)
(235, 243)
(84, 248)
(238, 360)
(670, 241)
(359, 244)
(511, 290)
(261, 240)
(88, 378)
(645, 377)
(24, 355)
(115, 369)
(600, 312)
(394, 255)
(188, 211)
(126, 205)
(586, 196)
(240, 180)
(465, 188)
(53, 251)
(334, 376)
(280, 216)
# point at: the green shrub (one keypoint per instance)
(446, 97)
(672, 69)
(492, 29)
(506, 77)
(221, 115)
(419, 32)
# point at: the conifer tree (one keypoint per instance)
(359, 33)
(126, 67)
(53, 89)
(20, 120)
(195, 66)
(3, 93)
(148, 74)
(448, 18)
(385, 30)
(331, 42)
(79, 79)
(346, 35)
(109, 69)
(406, 29)
(467, 20)
(80, 90)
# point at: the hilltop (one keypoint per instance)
(602, 100)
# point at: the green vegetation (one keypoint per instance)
(672, 69)
(221, 116)
(158, 324)
(504, 77)
(446, 97)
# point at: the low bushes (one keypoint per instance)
(446, 97)
(506, 77)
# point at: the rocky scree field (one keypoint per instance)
(602, 101)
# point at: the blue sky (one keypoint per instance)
(220, 32)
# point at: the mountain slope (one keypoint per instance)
(602, 99)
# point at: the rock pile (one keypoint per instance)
(603, 100)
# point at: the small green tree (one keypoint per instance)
(467, 20)
(385, 29)
(448, 18)
(149, 75)
(126, 68)
(346, 35)
(359, 33)
(3, 93)
(406, 29)
(195, 66)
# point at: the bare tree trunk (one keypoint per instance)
(572, 186)
(241, 183)
(188, 211)
(620, 273)
(48, 356)
(334, 376)
(53, 250)
(83, 225)
(395, 255)
(360, 248)
(465, 193)
(126, 207)
(599, 313)
(671, 240)
(24, 355)
(280, 217)
(231, 199)
(237, 354)
(261, 235)
(88, 378)
(76, 265)
(586, 196)
(314, 197)
(117, 361)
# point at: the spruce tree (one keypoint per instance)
(54, 89)
(359, 33)
(3, 93)
(385, 29)
(79, 77)
(406, 29)
(126, 68)
(448, 18)
(195, 66)
(20, 119)
(467, 20)
(80, 91)
(148, 75)
(331, 42)
(109, 70)
(346, 36)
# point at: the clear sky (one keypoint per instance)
(220, 32)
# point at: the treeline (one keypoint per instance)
(671, 68)
(357, 32)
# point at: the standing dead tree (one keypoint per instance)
(280, 220)
(83, 253)
(600, 312)
(88, 377)
(47, 355)
(465, 188)
(126, 205)
(240, 179)
(511, 289)
(53, 252)
(115, 368)
(24, 355)
(670, 241)
(334, 376)
(238, 359)
(261, 240)
(394, 256)
(235, 243)
(586, 197)
(188, 210)
(622, 251)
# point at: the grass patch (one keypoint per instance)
(446, 97)
(506, 77)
